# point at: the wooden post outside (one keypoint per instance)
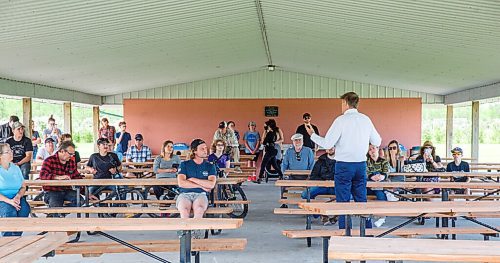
(95, 122)
(449, 130)
(475, 131)
(68, 126)
(27, 116)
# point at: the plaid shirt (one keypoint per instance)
(53, 167)
(108, 133)
(139, 156)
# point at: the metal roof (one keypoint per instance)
(112, 47)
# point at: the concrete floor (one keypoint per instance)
(262, 228)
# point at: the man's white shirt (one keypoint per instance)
(351, 134)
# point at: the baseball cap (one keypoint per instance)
(306, 115)
(297, 136)
(222, 125)
(16, 125)
(457, 149)
(49, 139)
(138, 137)
(195, 143)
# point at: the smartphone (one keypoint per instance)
(428, 151)
(175, 165)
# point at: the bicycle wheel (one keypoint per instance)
(232, 194)
(114, 200)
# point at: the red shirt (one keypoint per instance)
(108, 133)
(53, 167)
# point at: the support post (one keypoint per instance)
(449, 130)
(27, 116)
(68, 126)
(475, 131)
(95, 124)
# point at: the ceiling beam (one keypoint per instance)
(263, 32)
(32, 90)
(479, 93)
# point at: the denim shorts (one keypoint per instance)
(191, 197)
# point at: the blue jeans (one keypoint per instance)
(25, 170)
(380, 194)
(35, 151)
(120, 156)
(350, 178)
(315, 191)
(7, 210)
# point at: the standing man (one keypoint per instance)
(22, 149)
(6, 129)
(107, 131)
(123, 141)
(302, 130)
(196, 178)
(351, 135)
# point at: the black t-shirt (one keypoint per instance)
(429, 166)
(462, 167)
(102, 164)
(307, 138)
(5, 132)
(19, 148)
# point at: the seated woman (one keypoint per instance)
(104, 165)
(12, 187)
(377, 170)
(165, 165)
(218, 157)
(432, 163)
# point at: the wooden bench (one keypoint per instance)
(29, 248)
(369, 248)
(299, 211)
(121, 210)
(95, 249)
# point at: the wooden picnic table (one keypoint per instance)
(119, 182)
(441, 185)
(297, 172)
(359, 248)
(448, 174)
(122, 224)
(27, 249)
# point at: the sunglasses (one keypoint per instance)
(393, 148)
(297, 156)
(428, 147)
(307, 118)
(456, 154)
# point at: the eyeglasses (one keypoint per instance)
(297, 156)
(220, 145)
(71, 154)
(7, 152)
(456, 154)
(393, 148)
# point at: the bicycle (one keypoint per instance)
(168, 195)
(235, 193)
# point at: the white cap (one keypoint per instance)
(297, 136)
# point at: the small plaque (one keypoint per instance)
(271, 111)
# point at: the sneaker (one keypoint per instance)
(284, 206)
(325, 220)
(379, 222)
(391, 197)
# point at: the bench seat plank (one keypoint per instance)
(97, 248)
(30, 248)
(378, 231)
(370, 248)
(120, 210)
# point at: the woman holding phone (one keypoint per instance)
(432, 163)
(165, 166)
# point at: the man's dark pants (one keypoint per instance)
(350, 179)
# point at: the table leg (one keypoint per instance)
(347, 225)
(444, 220)
(362, 229)
(326, 240)
(185, 250)
(308, 217)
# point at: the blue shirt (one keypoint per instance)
(303, 160)
(11, 181)
(193, 170)
(251, 138)
(122, 147)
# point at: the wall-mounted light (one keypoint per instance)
(271, 67)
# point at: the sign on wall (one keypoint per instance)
(271, 111)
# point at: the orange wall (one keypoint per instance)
(184, 120)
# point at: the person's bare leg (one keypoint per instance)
(200, 205)
(184, 206)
